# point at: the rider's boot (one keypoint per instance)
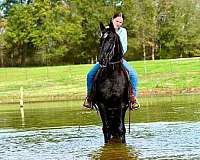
(88, 102)
(134, 103)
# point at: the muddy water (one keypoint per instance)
(164, 128)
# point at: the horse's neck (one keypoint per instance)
(111, 68)
(118, 51)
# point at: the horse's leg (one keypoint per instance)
(123, 133)
(120, 121)
(123, 138)
(104, 119)
(105, 130)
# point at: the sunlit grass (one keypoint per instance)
(70, 80)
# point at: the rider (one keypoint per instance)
(117, 20)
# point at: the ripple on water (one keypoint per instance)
(160, 140)
(166, 139)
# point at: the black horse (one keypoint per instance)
(111, 85)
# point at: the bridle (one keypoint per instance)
(110, 55)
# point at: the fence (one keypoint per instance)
(159, 77)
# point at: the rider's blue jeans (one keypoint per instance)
(132, 73)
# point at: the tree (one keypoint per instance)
(187, 35)
(7, 4)
(178, 28)
(17, 31)
(92, 12)
(142, 26)
(54, 32)
(57, 32)
(46, 30)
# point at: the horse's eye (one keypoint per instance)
(111, 40)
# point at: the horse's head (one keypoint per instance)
(110, 45)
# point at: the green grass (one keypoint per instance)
(177, 73)
(69, 82)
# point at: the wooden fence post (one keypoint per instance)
(21, 101)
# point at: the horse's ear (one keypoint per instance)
(102, 27)
(111, 26)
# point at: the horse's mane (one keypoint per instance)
(118, 48)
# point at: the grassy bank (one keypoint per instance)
(158, 77)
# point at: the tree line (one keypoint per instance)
(55, 32)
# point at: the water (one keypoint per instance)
(164, 128)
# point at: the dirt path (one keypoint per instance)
(168, 91)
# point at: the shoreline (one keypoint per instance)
(80, 96)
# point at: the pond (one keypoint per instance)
(164, 128)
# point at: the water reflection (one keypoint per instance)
(164, 128)
(115, 151)
(70, 113)
(22, 116)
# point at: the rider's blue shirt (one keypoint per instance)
(123, 38)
